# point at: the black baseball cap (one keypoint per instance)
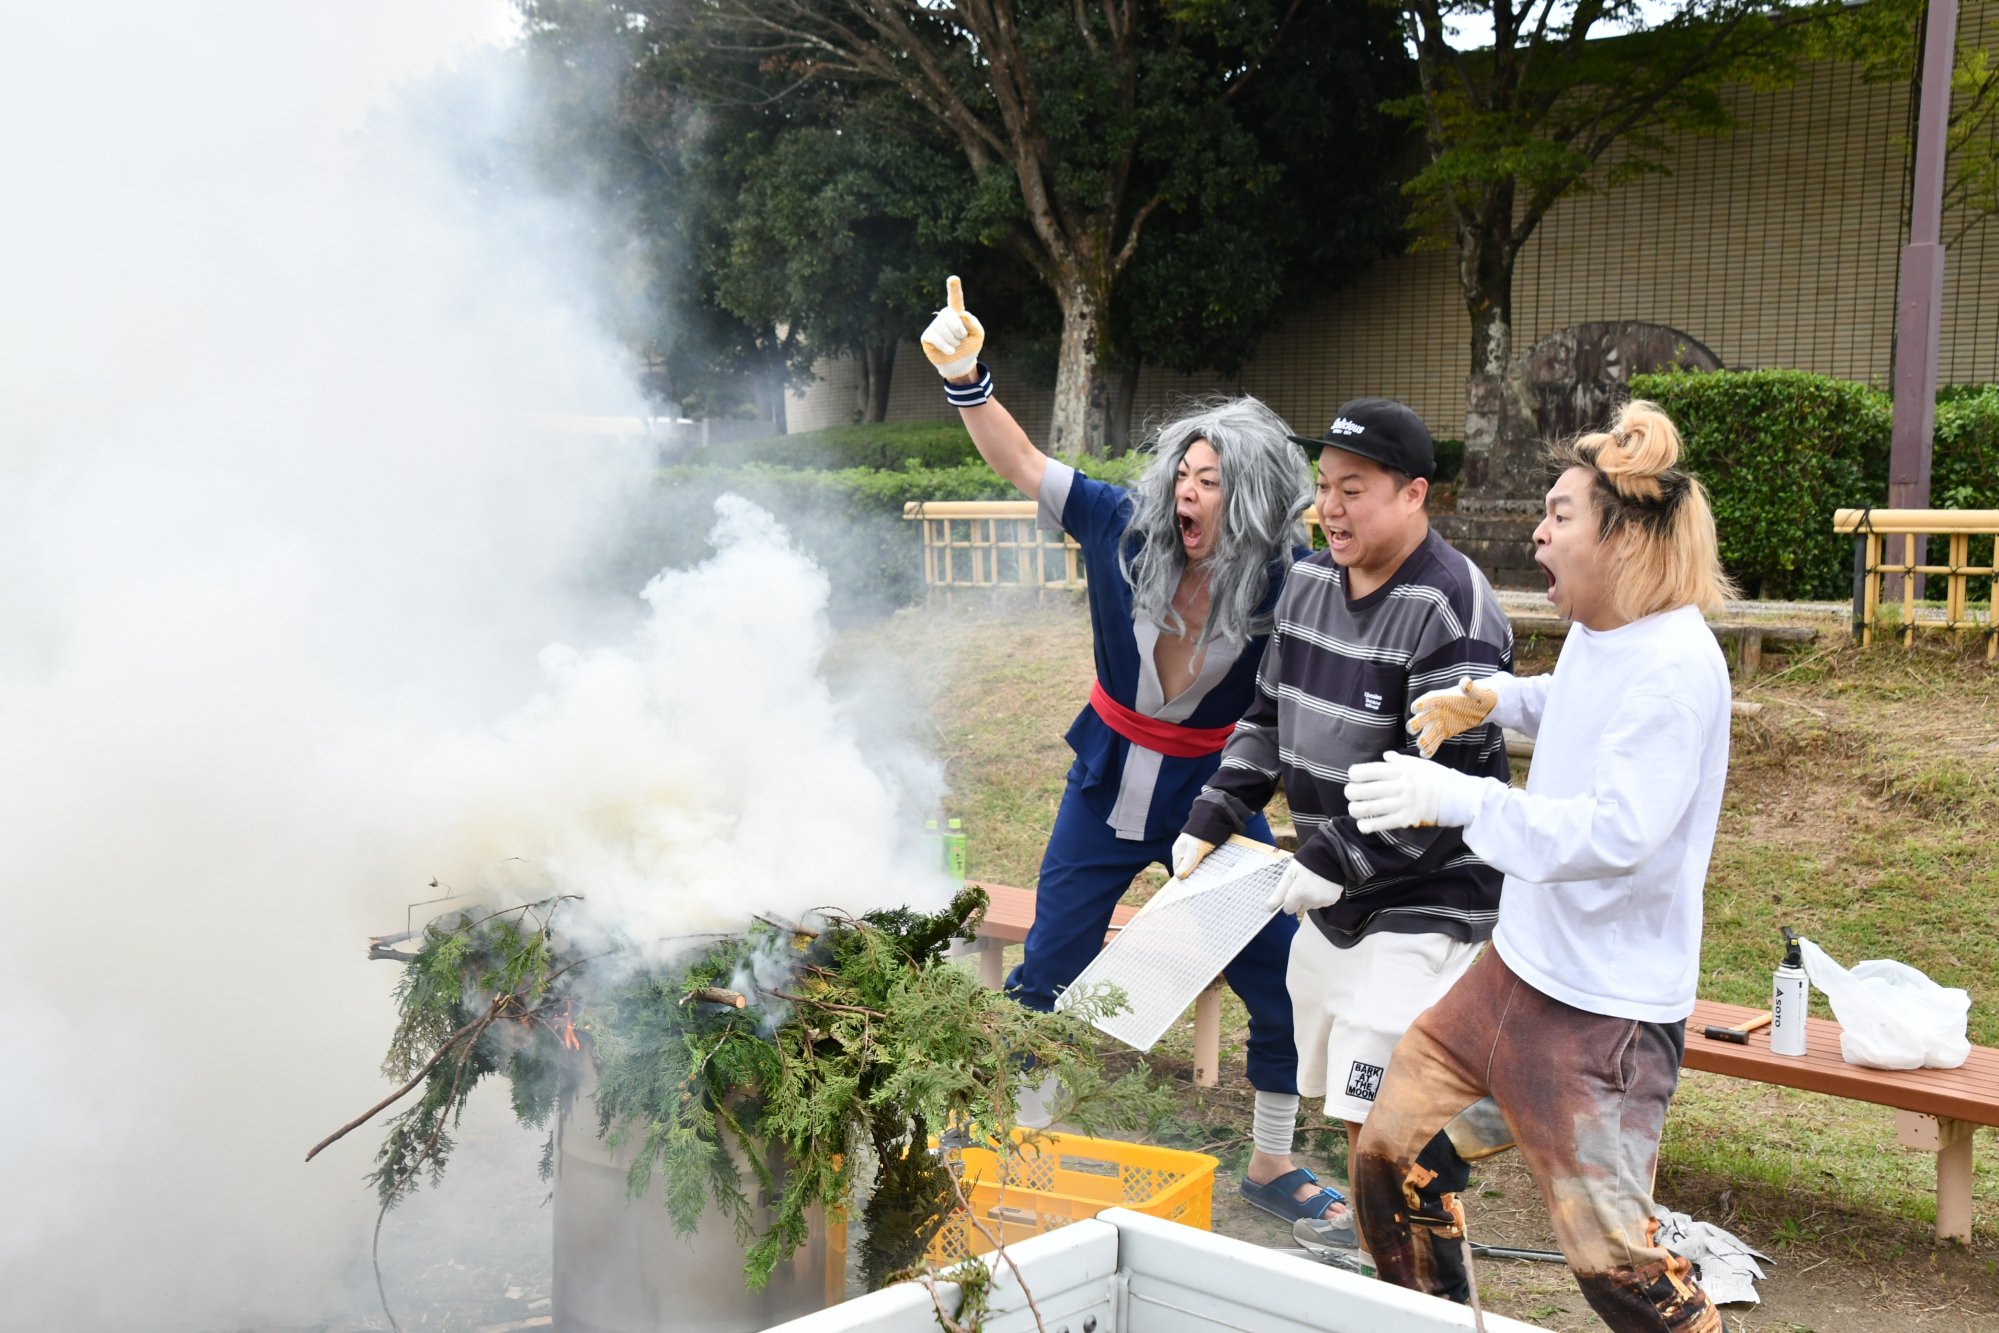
(1380, 429)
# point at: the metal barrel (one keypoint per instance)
(621, 1268)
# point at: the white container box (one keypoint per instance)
(1123, 1272)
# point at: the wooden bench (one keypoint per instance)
(1009, 914)
(1741, 641)
(1936, 1110)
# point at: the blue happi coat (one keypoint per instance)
(1124, 803)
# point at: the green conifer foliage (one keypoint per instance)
(857, 1045)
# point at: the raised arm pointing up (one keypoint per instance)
(953, 343)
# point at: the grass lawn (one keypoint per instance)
(1862, 809)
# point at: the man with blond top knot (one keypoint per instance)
(1573, 1022)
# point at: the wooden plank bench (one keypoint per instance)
(1936, 1110)
(1009, 914)
(1742, 641)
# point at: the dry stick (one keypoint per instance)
(396, 1096)
(828, 1004)
(716, 995)
(1471, 1272)
(786, 926)
(549, 981)
(944, 1321)
(999, 1246)
(423, 1155)
(520, 907)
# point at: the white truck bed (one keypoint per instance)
(1123, 1272)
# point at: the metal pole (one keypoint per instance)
(1919, 298)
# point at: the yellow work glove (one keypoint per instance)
(1441, 714)
(954, 339)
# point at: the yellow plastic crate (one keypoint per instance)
(1062, 1178)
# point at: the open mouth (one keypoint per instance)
(1339, 538)
(1191, 532)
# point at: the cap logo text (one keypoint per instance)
(1344, 427)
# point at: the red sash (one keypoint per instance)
(1168, 738)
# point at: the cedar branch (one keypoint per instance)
(828, 1004)
(444, 1048)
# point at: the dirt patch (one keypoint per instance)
(1845, 1271)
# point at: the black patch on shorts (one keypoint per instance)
(1364, 1081)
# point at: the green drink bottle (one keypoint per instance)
(954, 850)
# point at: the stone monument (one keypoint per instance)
(1569, 382)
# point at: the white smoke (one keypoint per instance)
(276, 585)
(702, 772)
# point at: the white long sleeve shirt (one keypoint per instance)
(1606, 851)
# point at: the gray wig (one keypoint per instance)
(1265, 488)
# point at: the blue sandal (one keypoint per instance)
(1275, 1198)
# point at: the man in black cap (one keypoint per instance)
(1387, 612)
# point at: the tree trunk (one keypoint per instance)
(877, 360)
(774, 385)
(1124, 391)
(774, 395)
(1500, 468)
(1083, 389)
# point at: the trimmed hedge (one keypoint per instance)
(887, 447)
(1964, 464)
(1779, 450)
(1964, 468)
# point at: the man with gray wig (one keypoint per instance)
(1183, 572)
(1259, 514)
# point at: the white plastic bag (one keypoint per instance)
(1891, 1016)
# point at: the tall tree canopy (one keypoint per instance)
(1315, 204)
(1090, 127)
(840, 232)
(1886, 38)
(653, 166)
(1512, 127)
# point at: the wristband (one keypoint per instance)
(973, 394)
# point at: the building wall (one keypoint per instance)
(1776, 245)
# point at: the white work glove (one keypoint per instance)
(1300, 890)
(1398, 792)
(1441, 714)
(1188, 852)
(954, 339)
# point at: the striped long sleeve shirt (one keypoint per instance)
(1333, 690)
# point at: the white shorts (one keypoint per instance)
(1350, 1006)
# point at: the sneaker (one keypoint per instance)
(1333, 1244)
(1319, 1234)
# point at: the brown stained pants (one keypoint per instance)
(1585, 1098)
